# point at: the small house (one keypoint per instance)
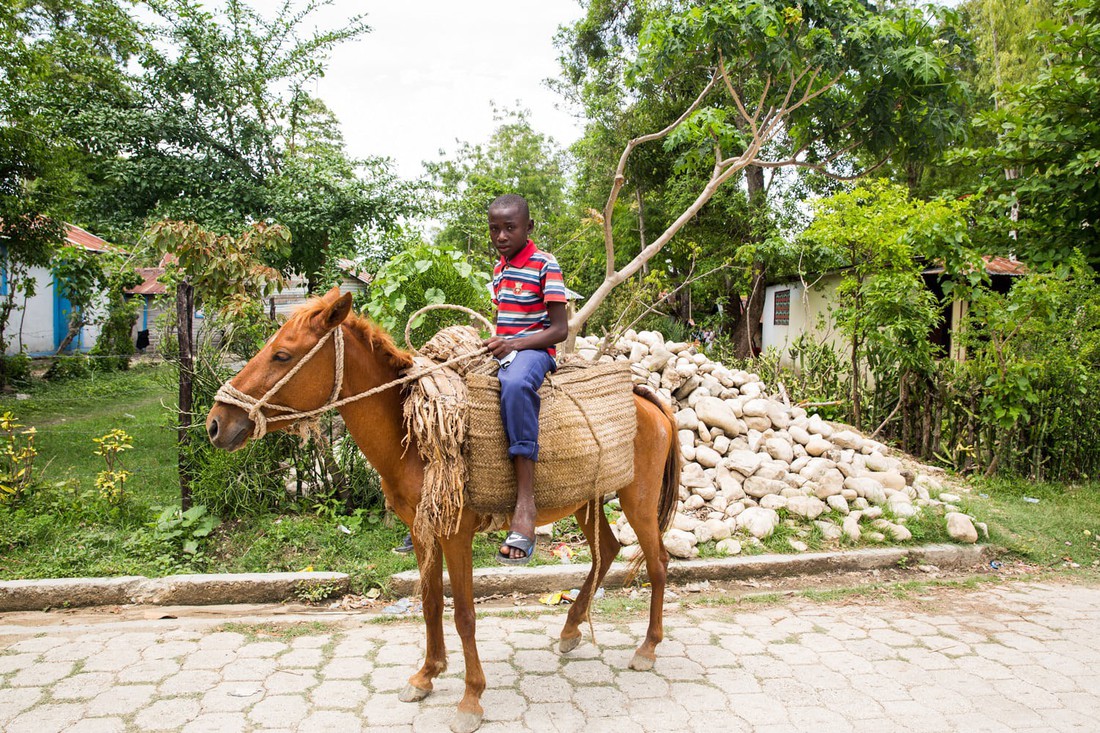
(798, 307)
(40, 323)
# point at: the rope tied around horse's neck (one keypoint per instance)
(254, 406)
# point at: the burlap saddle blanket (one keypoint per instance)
(587, 425)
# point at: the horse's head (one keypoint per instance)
(230, 425)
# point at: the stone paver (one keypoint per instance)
(1016, 657)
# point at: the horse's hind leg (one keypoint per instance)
(431, 591)
(642, 516)
(603, 545)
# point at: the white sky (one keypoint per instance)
(427, 73)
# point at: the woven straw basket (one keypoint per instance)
(587, 425)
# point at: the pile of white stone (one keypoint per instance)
(753, 461)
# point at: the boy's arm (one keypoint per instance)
(555, 334)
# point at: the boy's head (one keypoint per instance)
(510, 224)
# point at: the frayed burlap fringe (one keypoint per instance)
(435, 415)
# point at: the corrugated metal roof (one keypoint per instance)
(994, 265)
(149, 285)
(87, 240)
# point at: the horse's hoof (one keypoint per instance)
(568, 644)
(641, 662)
(465, 722)
(413, 694)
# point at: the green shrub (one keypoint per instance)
(425, 275)
(75, 366)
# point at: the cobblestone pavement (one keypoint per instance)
(1017, 657)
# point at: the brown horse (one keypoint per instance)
(376, 424)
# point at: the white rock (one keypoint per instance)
(808, 507)
(758, 522)
(851, 526)
(947, 498)
(799, 434)
(817, 426)
(627, 535)
(872, 512)
(744, 462)
(686, 419)
(715, 528)
(638, 351)
(754, 408)
(757, 486)
(714, 412)
(681, 544)
(961, 527)
(629, 552)
(847, 439)
(779, 449)
(828, 530)
(779, 415)
(692, 476)
(818, 446)
(719, 503)
(877, 462)
(721, 444)
(728, 547)
(685, 523)
(797, 545)
(838, 503)
(693, 502)
(706, 456)
(706, 493)
(732, 510)
(773, 501)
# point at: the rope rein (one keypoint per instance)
(230, 395)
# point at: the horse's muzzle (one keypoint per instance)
(228, 428)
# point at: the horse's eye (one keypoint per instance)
(280, 356)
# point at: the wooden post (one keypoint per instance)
(185, 308)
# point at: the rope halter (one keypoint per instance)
(230, 395)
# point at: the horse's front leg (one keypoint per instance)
(431, 591)
(459, 553)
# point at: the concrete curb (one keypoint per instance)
(180, 590)
(202, 590)
(488, 581)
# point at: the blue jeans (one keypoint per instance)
(520, 380)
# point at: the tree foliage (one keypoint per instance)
(1046, 133)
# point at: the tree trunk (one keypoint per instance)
(641, 228)
(185, 307)
(744, 332)
(74, 329)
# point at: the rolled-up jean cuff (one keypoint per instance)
(524, 449)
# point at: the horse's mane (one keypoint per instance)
(371, 333)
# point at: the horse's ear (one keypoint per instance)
(332, 294)
(335, 314)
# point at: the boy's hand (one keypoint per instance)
(499, 347)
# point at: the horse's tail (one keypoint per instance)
(670, 484)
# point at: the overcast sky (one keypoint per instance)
(427, 73)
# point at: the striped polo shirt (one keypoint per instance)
(522, 287)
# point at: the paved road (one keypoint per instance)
(1019, 657)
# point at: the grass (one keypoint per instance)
(67, 530)
(1061, 530)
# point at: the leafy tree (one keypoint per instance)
(516, 159)
(835, 88)
(1046, 133)
(879, 237)
(226, 274)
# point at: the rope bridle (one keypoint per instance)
(254, 406)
